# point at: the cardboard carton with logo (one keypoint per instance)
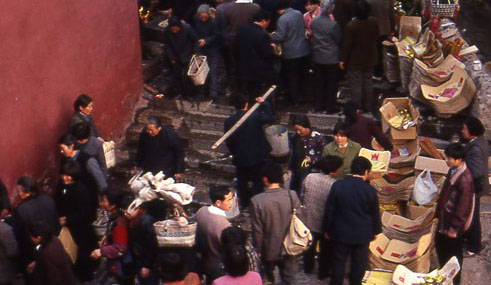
(391, 111)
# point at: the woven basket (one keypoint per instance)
(444, 10)
(175, 236)
(198, 69)
(391, 62)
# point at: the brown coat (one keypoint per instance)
(456, 202)
(53, 266)
(271, 215)
(359, 48)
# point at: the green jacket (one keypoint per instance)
(351, 152)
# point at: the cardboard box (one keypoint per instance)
(435, 166)
(409, 27)
(417, 217)
(397, 251)
(404, 276)
(407, 151)
(389, 109)
(380, 159)
(389, 192)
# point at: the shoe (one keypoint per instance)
(469, 253)
(377, 78)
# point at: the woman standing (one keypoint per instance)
(307, 149)
(84, 105)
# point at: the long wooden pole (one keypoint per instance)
(243, 119)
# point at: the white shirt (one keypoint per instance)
(217, 211)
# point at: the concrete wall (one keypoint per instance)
(51, 52)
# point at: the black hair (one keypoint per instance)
(301, 120)
(28, 185)
(313, 2)
(341, 128)
(272, 171)
(82, 101)
(455, 151)
(233, 236)
(66, 139)
(175, 22)
(261, 15)
(154, 120)
(81, 131)
(475, 126)
(359, 165)
(115, 197)
(70, 168)
(39, 228)
(218, 193)
(329, 163)
(236, 261)
(349, 109)
(362, 9)
(239, 101)
(156, 208)
(283, 4)
(171, 267)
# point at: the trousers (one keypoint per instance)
(361, 88)
(358, 263)
(287, 266)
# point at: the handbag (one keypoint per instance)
(298, 238)
(68, 243)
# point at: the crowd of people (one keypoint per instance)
(328, 182)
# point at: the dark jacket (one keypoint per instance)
(248, 144)
(359, 49)
(78, 117)
(255, 54)
(456, 202)
(476, 158)
(143, 241)
(181, 46)
(53, 266)
(237, 15)
(207, 31)
(9, 252)
(363, 129)
(352, 213)
(29, 212)
(271, 213)
(163, 152)
(4, 197)
(326, 40)
(290, 33)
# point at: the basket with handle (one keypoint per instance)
(173, 235)
(198, 69)
(444, 8)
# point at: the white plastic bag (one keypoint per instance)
(424, 189)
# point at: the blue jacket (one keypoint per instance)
(352, 214)
(248, 144)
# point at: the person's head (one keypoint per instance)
(301, 124)
(233, 236)
(83, 104)
(69, 172)
(472, 128)
(340, 133)
(272, 173)
(327, 7)
(175, 25)
(81, 132)
(329, 164)
(262, 19)
(455, 153)
(240, 102)
(221, 197)
(171, 267)
(39, 232)
(361, 166)
(26, 187)
(66, 144)
(153, 126)
(362, 9)
(203, 12)
(113, 200)
(312, 5)
(236, 261)
(282, 6)
(351, 111)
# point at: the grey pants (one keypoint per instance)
(287, 266)
(361, 89)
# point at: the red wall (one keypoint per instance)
(50, 52)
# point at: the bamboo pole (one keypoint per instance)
(243, 119)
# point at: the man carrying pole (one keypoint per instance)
(248, 145)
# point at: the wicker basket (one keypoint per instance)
(444, 10)
(175, 236)
(391, 62)
(198, 69)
